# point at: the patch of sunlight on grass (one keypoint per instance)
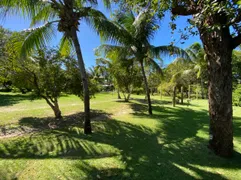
(225, 173)
(188, 171)
(203, 132)
(126, 143)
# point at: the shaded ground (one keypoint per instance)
(29, 125)
(171, 144)
(7, 99)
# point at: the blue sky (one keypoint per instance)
(90, 40)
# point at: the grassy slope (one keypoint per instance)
(171, 144)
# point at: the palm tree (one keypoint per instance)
(66, 14)
(132, 35)
(198, 57)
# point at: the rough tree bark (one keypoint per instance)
(218, 48)
(146, 88)
(214, 30)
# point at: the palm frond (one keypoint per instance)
(66, 46)
(108, 30)
(36, 38)
(102, 61)
(126, 20)
(145, 26)
(182, 61)
(46, 13)
(112, 51)
(158, 51)
(152, 63)
(27, 8)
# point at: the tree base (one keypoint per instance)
(87, 129)
(225, 152)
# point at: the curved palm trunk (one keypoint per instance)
(146, 88)
(174, 97)
(87, 124)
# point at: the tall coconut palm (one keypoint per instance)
(132, 37)
(66, 14)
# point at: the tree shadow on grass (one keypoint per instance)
(11, 99)
(173, 150)
(163, 102)
(29, 125)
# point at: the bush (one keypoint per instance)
(237, 96)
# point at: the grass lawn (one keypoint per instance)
(127, 143)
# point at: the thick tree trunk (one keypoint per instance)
(146, 88)
(217, 46)
(174, 97)
(87, 124)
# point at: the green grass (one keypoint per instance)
(127, 143)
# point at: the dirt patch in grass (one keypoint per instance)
(29, 125)
(14, 130)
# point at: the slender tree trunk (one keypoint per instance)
(174, 97)
(54, 107)
(189, 92)
(57, 111)
(146, 88)
(217, 45)
(87, 124)
(161, 91)
(118, 92)
(202, 88)
(196, 92)
(182, 95)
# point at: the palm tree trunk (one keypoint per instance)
(87, 124)
(202, 88)
(182, 95)
(146, 88)
(174, 97)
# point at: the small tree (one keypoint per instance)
(46, 73)
(4, 72)
(125, 73)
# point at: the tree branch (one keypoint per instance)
(184, 11)
(237, 19)
(189, 8)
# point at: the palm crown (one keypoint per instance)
(131, 35)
